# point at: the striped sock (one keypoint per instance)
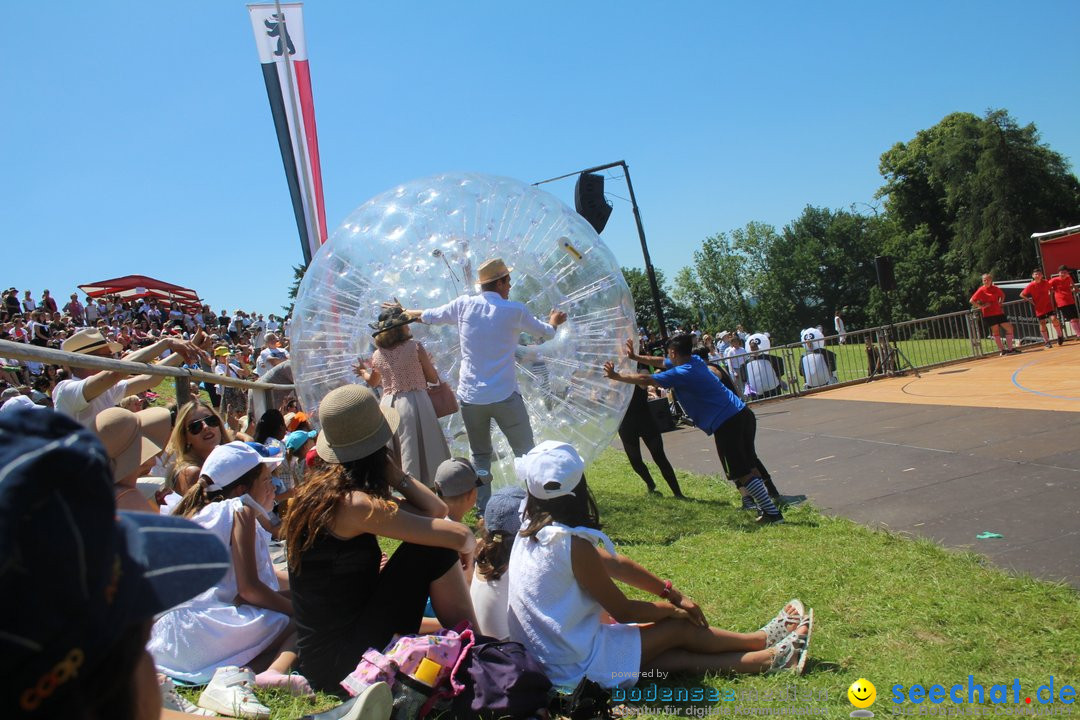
(757, 490)
(1009, 340)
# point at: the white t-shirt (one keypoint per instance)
(68, 398)
(262, 365)
(28, 305)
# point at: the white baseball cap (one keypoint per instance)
(228, 463)
(550, 470)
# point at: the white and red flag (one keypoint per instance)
(279, 36)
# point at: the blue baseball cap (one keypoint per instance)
(77, 574)
(266, 451)
(296, 439)
(503, 511)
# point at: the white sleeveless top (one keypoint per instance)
(559, 622)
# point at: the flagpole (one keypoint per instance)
(305, 175)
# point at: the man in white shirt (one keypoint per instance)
(258, 332)
(28, 304)
(489, 325)
(91, 313)
(272, 356)
(89, 391)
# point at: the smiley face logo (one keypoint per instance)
(862, 693)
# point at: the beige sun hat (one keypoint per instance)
(353, 425)
(492, 270)
(130, 439)
(87, 341)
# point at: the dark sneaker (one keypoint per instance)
(766, 519)
(749, 504)
(1015, 351)
(1048, 344)
(1003, 353)
(1061, 340)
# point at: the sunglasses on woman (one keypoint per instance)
(196, 426)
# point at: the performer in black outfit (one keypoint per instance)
(638, 424)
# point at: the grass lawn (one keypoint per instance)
(851, 362)
(887, 608)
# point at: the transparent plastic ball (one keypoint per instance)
(422, 243)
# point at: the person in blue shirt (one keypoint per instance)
(713, 408)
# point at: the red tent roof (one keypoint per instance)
(133, 287)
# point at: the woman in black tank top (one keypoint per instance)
(344, 604)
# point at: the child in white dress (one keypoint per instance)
(562, 570)
(248, 612)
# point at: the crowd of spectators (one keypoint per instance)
(240, 344)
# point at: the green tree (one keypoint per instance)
(975, 189)
(294, 289)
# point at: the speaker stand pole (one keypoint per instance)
(649, 272)
(891, 349)
(645, 253)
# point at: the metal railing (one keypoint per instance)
(861, 356)
(34, 353)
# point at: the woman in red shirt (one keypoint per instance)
(1062, 285)
(988, 299)
(1037, 293)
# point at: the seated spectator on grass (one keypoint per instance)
(133, 441)
(90, 391)
(344, 603)
(76, 610)
(562, 573)
(456, 482)
(245, 617)
(196, 432)
(490, 587)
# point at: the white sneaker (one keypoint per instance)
(172, 700)
(230, 693)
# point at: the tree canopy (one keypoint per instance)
(960, 198)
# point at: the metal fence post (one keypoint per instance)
(183, 391)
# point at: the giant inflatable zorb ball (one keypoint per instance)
(422, 243)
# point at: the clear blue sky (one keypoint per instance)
(137, 136)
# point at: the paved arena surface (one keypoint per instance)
(988, 445)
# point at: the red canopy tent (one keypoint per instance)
(134, 287)
(1058, 247)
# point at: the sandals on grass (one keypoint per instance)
(776, 629)
(793, 648)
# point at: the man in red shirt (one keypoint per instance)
(1037, 293)
(1062, 285)
(988, 299)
